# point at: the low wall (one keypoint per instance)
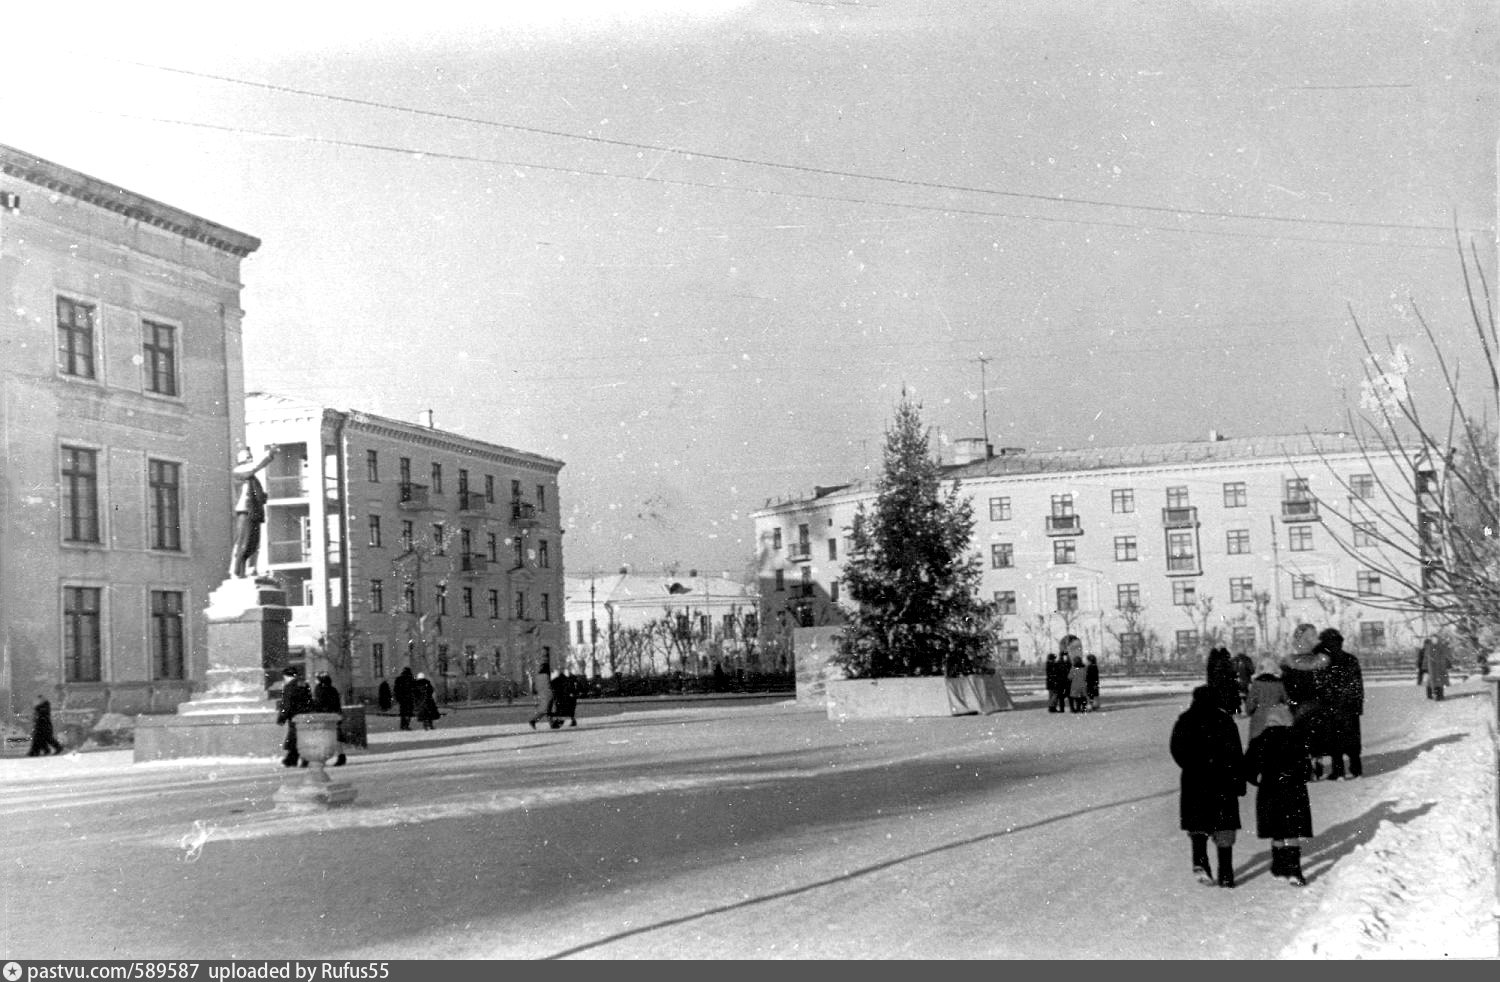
(912, 697)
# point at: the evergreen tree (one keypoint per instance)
(911, 574)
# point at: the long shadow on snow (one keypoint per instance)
(1325, 849)
(1392, 760)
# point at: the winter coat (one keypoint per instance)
(1221, 676)
(325, 698)
(427, 710)
(1206, 745)
(383, 695)
(406, 691)
(41, 721)
(1302, 675)
(544, 694)
(1064, 676)
(1436, 662)
(565, 695)
(1265, 691)
(1091, 674)
(1277, 764)
(1244, 670)
(1078, 682)
(296, 698)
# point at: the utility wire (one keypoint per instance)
(779, 165)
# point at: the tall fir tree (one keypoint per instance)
(911, 575)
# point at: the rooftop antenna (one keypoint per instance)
(984, 405)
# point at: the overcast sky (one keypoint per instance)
(696, 249)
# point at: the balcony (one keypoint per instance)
(473, 502)
(523, 513)
(799, 552)
(1183, 566)
(280, 486)
(1064, 525)
(414, 497)
(473, 564)
(1300, 511)
(1185, 516)
(288, 552)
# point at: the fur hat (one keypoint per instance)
(1279, 715)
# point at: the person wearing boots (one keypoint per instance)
(43, 739)
(406, 696)
(296, 698)
(1092, 674)
(1206, 745)
(325, 699)
(1301, 675)
(1283, 814)
(1052, 700)
(544, 700)
(1435, 661)
(1345, 695)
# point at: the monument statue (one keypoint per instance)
(249, 512)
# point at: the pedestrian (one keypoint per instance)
(1065, 671)
(1266, 691)
(1345, 687)
(1092, 673)
(1436, 661)
(406, 696)
(43, 739)
(325, 699)
(1299, 675)
(383, 696)
(544, 703)
(1051, 670)
(1244, 671)
(1221, 676)
(426, 699)
(1276, 765)
(296, 698)
(1206, 745)
(1078, 684)
(564, 699)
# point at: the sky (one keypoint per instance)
(698, 250)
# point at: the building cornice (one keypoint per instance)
(90, 190)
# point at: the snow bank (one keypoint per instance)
(1426, 888)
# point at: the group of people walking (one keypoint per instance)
(414, 697)
(1302, 709)
(298, 697)
(556, 697)
(1072, 679)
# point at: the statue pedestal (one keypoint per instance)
(232, 717)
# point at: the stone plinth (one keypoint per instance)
(317, 742)
(906, 698)
(232, 716)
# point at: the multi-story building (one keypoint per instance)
(400, 544)
(707, 618)
(1142, 551)
(120, 407)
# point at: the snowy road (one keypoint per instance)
(728, 831)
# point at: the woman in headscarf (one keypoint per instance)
(1300, 675)
(1283, 814)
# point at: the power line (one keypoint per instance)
(780, 165)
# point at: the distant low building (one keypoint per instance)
(639, 623)
(1145, 552)
(120, 409)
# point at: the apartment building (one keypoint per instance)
(401, 544)
(119, 414)
(1145, 551)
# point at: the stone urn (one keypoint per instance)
(311, 787)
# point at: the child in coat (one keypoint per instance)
(1277, 765)
(1206, 745)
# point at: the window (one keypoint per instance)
(578, 632)
(1002, 555)
(489, 488)
(440, 599)
(372, 466)
(1367, 583)
(1296, 489)
(408, 534)
(159, 352)
(520, 605)
(463, 483)
(1362, 486)
(80, 494)
(1177, 497)
(1125, 549)
(1005, 601)
(1234, 494)
(409, 598)
(374, 531)
(494, 600)
(1241, 589)
(1009, 649)
(1372, 634)
(1127, 595)
(166, 635)
(471, 660)
(1122, 501)
(546, 607)
(1182, 552)
(1064, 551)
(541, 497)
(780, 580)
(1242, 638)
(75, 338)
(1237, 542)
(1304, 586)
(833, 549)
(437, 478)
(465, 545)
(1062, 505)
(833, 591)
(377, 660)
(515, 490)
(377, 596)
(518, 553)
(776, 538)
(467, 599)
(1187, 643)
(542, 555)
(999, 509)
(1427, 482)
(1299, 538)
(492, 545)
(1364, 535)
(1067, 599)
(1132, 644)
(1184, 593)
(439, 540)
(404, 466)
(83, 649)
(165, 505)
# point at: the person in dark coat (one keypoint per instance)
(406, 696)
(325, 699)
(1078, 685)
(43, 739)
(1300, 676)
(1222, 679)
(1344, 685)
(544, 698)
(1052, 699)
(1435, 661)
(1065, 672)
(383, 696)
(296, 698)
(1206, 745)
(1244, 671)
(1276, 766)
(426, 699)
(1266, 691)
(564, 699)
(1092, 674)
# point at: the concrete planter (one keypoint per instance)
(906, 698)
(310, 788)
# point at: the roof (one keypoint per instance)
(641, 588)
(75, 184)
